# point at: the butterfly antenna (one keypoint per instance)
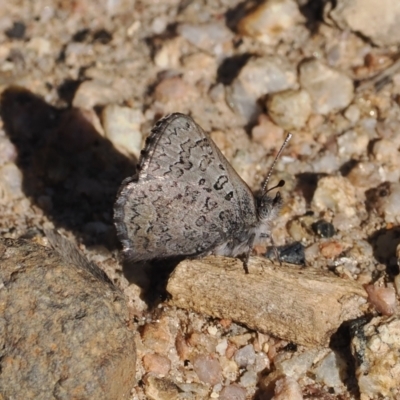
(281, 183)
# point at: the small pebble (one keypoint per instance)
(387, 155)
(290, 109)
(335, 193)
(241, 340)
(300, 229)
(8, 152)
(93, 93)
(262, 362)
(248, 379)
(260, 76)
(330, 90)
(159, 24)
(122, 128)
(323, 228)
(10, 183)
(331, 249)
(382, 298)
(233, 392)
(157, 336)
(366, 174)
(292, 253)
(193, 390)
(156, 364)
(230, 369)
(245, 356)
(207, 369)
(332, 371)
(386, 200)
(298, 364)
(376, 347)
(213, 37)
(160, 388)
(175, 94)
(221, 347)
(212, 330)
(169, 55)
(353, 144)
(352, 113)
(376, 23)
(287, 388)
(270, 20)
(203, 342)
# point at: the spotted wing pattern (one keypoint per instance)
(186, 199)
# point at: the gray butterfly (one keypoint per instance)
(187, 200)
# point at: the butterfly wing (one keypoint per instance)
(186, 199)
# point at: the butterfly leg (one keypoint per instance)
(276, 252)
(250, 245)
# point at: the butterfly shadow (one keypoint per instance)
(384, 243)
(69, 170)
(152, 278)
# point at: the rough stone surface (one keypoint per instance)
(376, 348)
(260, 76)
(160, 388)
(337, 194)
(245, 356)
(380, 24)
(330, 90)
(219, 62)
(270, 20)
(93, 93)
(233, 392)
(207, 369)
(332, 371)
(64, 330)
(290, 109)
(385, 199)
(208, 37)
(157, 364)
(382, 298)
(122, 127)
(287, 388)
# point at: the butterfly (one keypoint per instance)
(187, 200)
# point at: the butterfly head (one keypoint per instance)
(267, 206)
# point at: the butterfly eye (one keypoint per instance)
(264, 207)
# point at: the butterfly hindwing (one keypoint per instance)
(186, 200)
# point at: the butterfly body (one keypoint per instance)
(187, 200)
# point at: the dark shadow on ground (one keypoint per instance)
(230, 67)
(152, 277)
(69, 170)
(384, 243)
(307, 184)
(73, 174)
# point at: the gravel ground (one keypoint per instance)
(83, 82)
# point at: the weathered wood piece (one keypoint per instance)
(301, 305)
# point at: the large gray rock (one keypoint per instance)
(63, 327)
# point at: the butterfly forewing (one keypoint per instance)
(186, 200)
